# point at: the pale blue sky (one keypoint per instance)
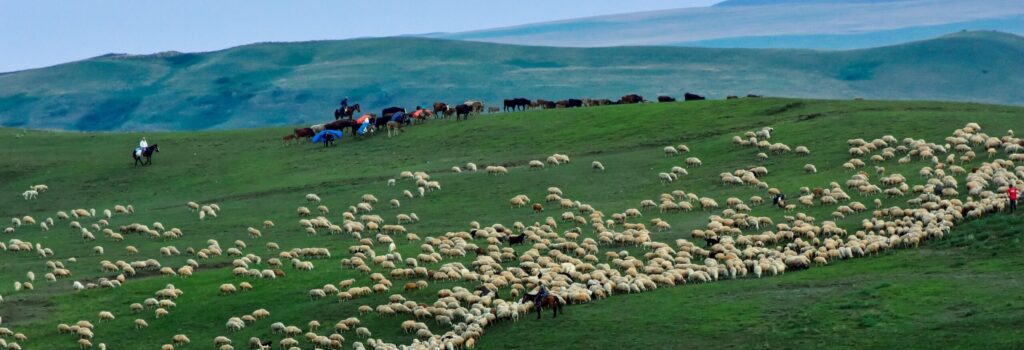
(38, 33)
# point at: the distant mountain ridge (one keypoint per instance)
(301, 83)
(770, 24)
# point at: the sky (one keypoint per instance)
(39, 33)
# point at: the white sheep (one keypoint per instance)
(670, 151)
(810, 169)
(30, 194)
(596, 165)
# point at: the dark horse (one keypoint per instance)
(550, 301)
(347, 113)
(147, 153)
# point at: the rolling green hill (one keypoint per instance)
(301, 83)
(961, 290)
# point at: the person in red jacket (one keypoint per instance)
(1012, 192)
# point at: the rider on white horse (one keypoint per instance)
(142, 146)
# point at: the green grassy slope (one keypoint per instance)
(875, 300)
(278, 84)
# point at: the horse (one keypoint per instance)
(394, 128)
(440, 109)
(147, 153)
(341, 125)
(550, 301)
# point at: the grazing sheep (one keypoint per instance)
(30, 194)
(536, 164)
(105, 316)
(312, 198)
(693, 161)
(303, 211)
(810, 169)
(180, 339)
(363, 332)
(395, 203)
(140, 323)
(596, 165)
(227, 288)
(670, 151)
(666, 177)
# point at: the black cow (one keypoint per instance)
(516, 104)
(692, 97)
(573, 103)
(462, 111)
(666, 99)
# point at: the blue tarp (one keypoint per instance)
(397, 117)
(319, 137)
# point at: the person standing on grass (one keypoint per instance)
(1012, 192)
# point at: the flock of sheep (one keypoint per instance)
(592, 256)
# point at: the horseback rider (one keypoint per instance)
(142, 146)
(540, 291)
(344, 105)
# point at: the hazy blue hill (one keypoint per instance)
(1012, 24)
(816, 24)
(777, 2)
(301, 83)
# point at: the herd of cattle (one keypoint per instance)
(396, 117)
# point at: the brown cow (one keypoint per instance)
(304, 132)
(631, 98)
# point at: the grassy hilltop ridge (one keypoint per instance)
(301, 83)
(961, 291)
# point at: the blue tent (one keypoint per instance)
(319, 137)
